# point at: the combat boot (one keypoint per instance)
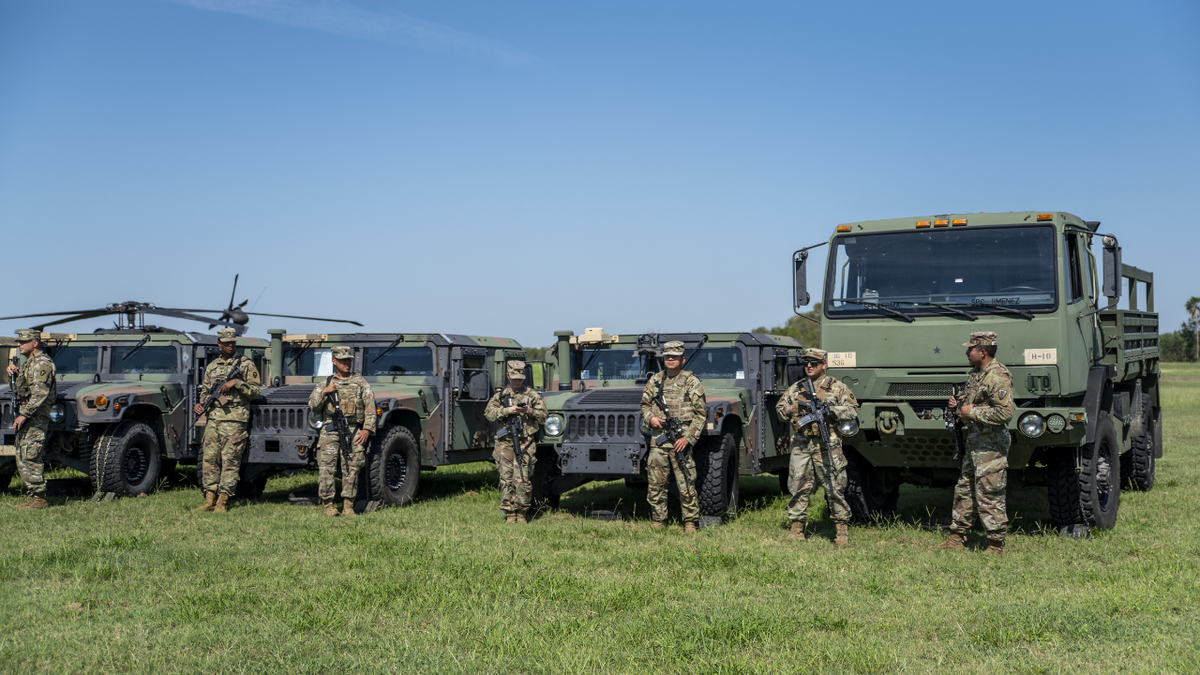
(330, 509)
(995, 546)
(520, 519)
(797, 531)
(843, 535)
(222, 503)
(510, 519)
(348, 509)
(35, 503)
(657, 524)
(689, 527)
(210, 502)
(955, 542)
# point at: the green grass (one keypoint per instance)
(146, 585)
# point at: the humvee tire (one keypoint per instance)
(871, 497)
(717, 475)
(1137, 465)
(1092, 496)
(126, 459)
(6, 474)
(544, 473)
(394, 468)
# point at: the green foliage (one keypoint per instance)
(807, 331)
(1184, 344)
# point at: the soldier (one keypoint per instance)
(33, 391)
(225, 434)
(808, 459)
(986, 407)
(357, 403)
(684, 396)
(516, 469)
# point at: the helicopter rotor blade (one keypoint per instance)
(174, 313)
(93, 312)
(234, 292)
(310, 318)
(77, 317)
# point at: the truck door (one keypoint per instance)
(472, 387)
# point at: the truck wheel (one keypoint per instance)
(1137, 465)
(394, 468)
(717, 475)
(544, 472)
(7, 471)
(1090, 497)
(126, 459)
(871, 495)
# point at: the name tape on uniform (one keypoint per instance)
(842, 359)
(1041, 357)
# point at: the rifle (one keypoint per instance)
(340, 424)
(818, 412)
(215, 392)
(514, 426)
(954, 424)
(12, 386)
(672, 429)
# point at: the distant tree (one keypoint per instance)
(807, 331)
(1193, 309)
(1183, 344)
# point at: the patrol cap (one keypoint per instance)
(342, 353)
(673, 348)
(813, 354)
(985, 338)
(27, 335)
(516, 370)
(226, 335)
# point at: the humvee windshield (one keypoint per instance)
(606, 364)
(77, 360)
(962, 267)
(145, 360)
(311, 362)
(399, 361)
(717, 364)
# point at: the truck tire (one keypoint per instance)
(544, 472)
(1092, 496)
(394, 468)
(126, 459)
(871, 496)
(717, 475)
(1137, 465)
(7, 471)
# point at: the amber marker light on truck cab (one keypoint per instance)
(958, 221)
(843, 228)
(1045, 216)
(941, 223)
(922, 223)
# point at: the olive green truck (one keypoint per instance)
(902, 295)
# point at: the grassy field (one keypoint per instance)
(146, 585)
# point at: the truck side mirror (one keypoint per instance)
(1112, 268)
(799, 280)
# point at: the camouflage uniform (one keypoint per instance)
(808, 461)
(684, 395)
(984, 474)
(515, 473)
(357, 403)
(35, 388)
(225, 433)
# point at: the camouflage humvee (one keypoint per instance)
(902, 295)
(124, 410)
(593, 390)
(430, 392)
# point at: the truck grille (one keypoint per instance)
(602, 426)
(919, 390)
(279, 417)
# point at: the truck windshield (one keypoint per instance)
(606, 364)
(717, 363)
(997, 266)
(77, 360)
(399, 361)
(312, 362)
(144, 361)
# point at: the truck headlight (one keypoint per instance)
(57, 413)
(848, 428)
(1032, 425)
(1056, 423)
(554, 425)
(314, 420)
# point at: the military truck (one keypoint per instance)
(593, 390)
(902, 295)
(123, 415)
(430, 392)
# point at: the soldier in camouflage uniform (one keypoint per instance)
(34, 391)
(808, 459)
(357, 403)
(684, 396)
(516, 472)
(985, 406)
(225, 434)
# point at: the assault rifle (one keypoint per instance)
(340, 424)
(672, 430)
(954, 424)
(818, 412)
(514, 426)
(215, 392)
(12, 387)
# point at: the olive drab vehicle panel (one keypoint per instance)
(900, 298)
(593, 390)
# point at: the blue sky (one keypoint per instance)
(515, 168)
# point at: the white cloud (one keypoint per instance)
(333, 16)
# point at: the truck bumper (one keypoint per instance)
(623, 459)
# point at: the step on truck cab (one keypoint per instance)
(123, 414)
(430, 393)
(593, 390)
(900, 298)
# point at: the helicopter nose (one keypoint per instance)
(239, 317)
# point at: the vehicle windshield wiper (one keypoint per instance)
(389, 348)
(939, 305)
(135, 348)
(875, 305)
(1007, 308)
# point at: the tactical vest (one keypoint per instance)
(822, 387)
(674, 390)
(350, 392)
